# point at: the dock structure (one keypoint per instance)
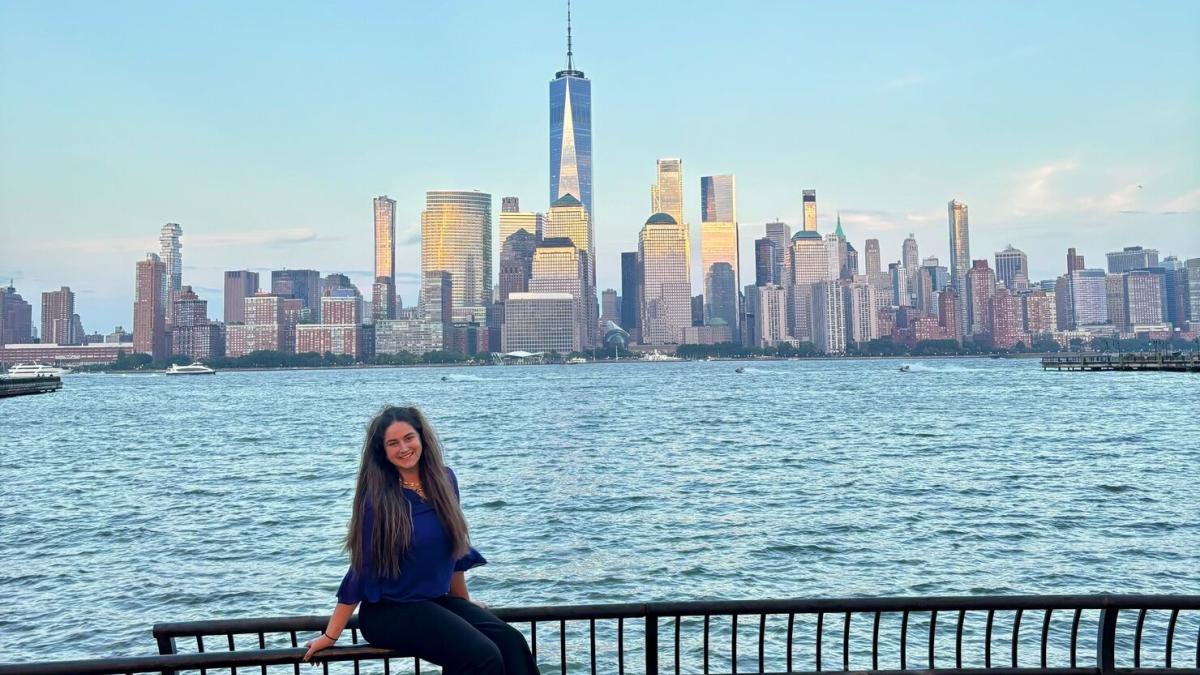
(1139, 362)
(24, 386)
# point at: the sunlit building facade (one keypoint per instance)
(456, 237)
(560, 267)
(666, 194)
(719, 245)
(960, 255)
(810, 210)
(171, 254)
(666, 280)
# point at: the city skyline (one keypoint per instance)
(1038, 202)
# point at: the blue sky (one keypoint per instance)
(265, 129)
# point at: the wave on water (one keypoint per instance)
(949, 368)
(751, 370)
(463, 378)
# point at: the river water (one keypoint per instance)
(131, 499)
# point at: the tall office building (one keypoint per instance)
(1132, 258)
(512, 222)
(571, 133)
(631, 294)
(810, 210)
(171, 254)
(516, 263)
(842, 252)
(561, 267)
(57, 309)
(981, 286)
(302, 285)
(383, 289)
(192, 334)
(948, 301)
(385, 237)
(781, 234)
(829, 320)
(1039, 312)
(510, 205)
(808, 264)
(149, 315)
(960, 256)
(766, 315)
(1191, 268)
(456, 237)
(1087, 297)
(910, 258)
(1115, 300)
(1012, 268)
(898, 280)
(1144, 298)
(872, 260)
(568, 219)
(665, 280)
(610, 306)
(239, 285)
(719, 246)
(16, 317)
(862, 321)
(666, 195)
(768, 259)
(1074, 262)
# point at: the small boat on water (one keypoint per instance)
(30, 370)
(196, 368)
(739, 369)
(659, 356)
(904, 369)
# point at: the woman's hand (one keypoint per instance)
(315, 645)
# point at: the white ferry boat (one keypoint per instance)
(196, 368)
(28, 370)
(659, 356)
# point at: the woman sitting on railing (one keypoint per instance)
(409, 549)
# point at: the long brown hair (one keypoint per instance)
(379, 486)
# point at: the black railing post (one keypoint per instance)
(651, 643)
(1106, 641)
(166, 645)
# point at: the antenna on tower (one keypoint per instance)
(570, 62)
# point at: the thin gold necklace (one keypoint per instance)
(415, 487)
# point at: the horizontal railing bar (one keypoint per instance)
(722, 607)
(149, 664)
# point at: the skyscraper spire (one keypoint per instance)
(570, 55)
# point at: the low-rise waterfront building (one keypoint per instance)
(62, 355)
(415, 336)
(540, 322)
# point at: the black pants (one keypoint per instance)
(458, 635)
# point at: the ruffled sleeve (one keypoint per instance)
(357, 587)
(473, 558)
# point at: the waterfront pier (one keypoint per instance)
(24, 386)
(1171, 363)
(976, 635)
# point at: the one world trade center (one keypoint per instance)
(571, 133)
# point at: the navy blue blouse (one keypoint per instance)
(426, 568)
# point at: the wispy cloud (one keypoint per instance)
(1185, 203)
(865, 220)
(1035, 192)
(276, 237)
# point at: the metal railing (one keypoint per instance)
(997, 635)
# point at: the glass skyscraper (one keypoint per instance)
(571, 133)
